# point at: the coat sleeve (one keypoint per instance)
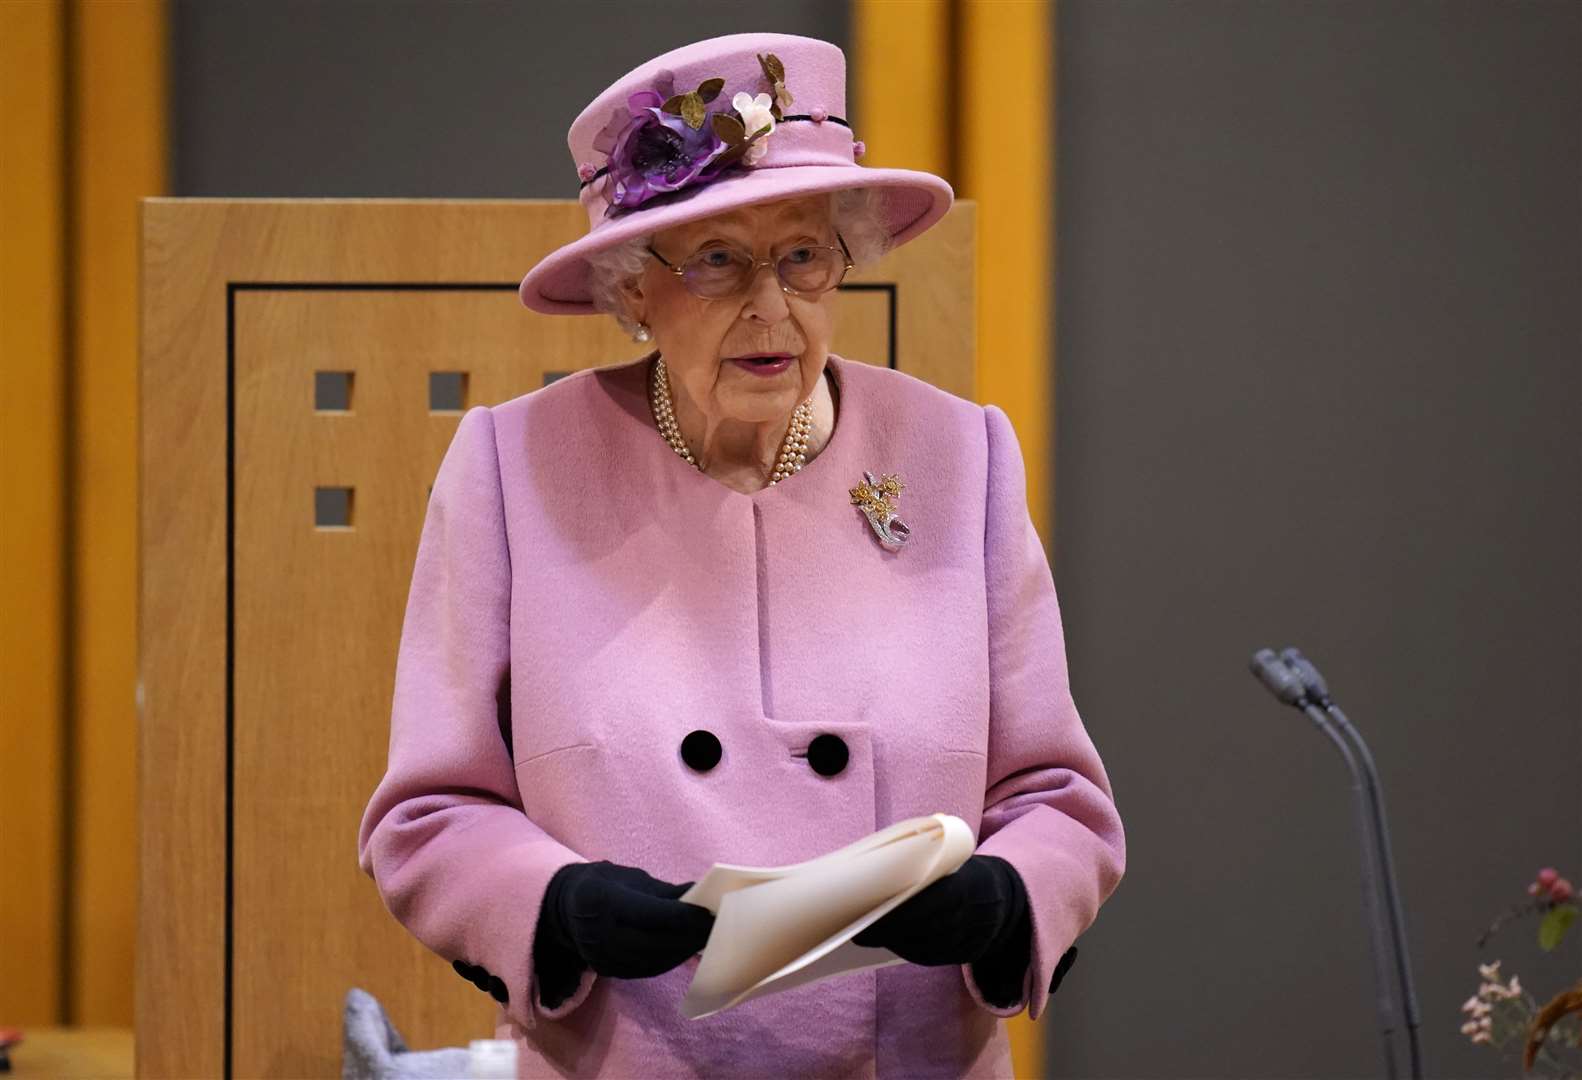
(1048, 808)
(444, 835)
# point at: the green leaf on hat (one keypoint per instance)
(688, 106)
(693, 110)
(729, 128)
(691, 105)
(775, 74)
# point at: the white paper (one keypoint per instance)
(779, 927)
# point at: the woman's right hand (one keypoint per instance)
(620, 921)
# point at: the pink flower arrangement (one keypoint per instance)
(1549, 881)
(1501, 1011)
(1480, 1007)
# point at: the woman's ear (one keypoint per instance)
(632, 297)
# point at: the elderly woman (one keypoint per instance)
(738, 600)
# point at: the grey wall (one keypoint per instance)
(417, 98)
(1318, 384)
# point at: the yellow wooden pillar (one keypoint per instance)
(83, 134)
(119, 156)
(32, 537)
(965, 89)
(901, 76)
(1005, 126)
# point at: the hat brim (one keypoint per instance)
(560, 284)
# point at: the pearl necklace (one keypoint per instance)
(793, 449)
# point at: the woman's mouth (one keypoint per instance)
(764, 363)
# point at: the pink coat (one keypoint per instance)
(580, 586)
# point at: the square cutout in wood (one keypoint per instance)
(332, 391)
(332, 507)
(447, 391)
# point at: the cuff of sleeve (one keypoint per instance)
(527, 1009)
(584, 987)
(975, 991)
(563, 979)
(999, 981)
(1055, 857)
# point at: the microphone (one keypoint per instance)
(1282, 682)
(1295, 681)
(1319, 692)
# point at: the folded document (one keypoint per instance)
(779, 927)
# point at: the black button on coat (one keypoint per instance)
(827, 754)
(701, 750)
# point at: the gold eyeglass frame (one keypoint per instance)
(752, 271)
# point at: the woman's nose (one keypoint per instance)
(766, 300)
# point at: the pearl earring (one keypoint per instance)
(641, 333)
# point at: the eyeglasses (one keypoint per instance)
(724, 270)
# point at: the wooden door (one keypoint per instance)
(304, 364)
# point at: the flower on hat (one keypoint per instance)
(652, 151)
(757, 116)
(662, 141)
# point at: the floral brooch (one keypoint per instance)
(663, 142)
(877, 498)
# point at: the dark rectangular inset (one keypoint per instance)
(332, 507)
(332, 391)
(447, 391)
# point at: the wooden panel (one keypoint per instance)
(268, 646)
(32, 528)
(935, 300)
(317, 622)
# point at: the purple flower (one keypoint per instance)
(652, 152)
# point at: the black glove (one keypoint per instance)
(618, 920)
(977, 914)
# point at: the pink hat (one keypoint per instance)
(721, 123)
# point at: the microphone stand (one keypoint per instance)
(1296, 682)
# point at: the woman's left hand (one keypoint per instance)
(977, 912)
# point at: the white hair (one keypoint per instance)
(858, 214)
